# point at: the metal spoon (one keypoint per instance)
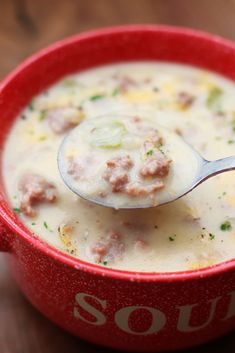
(205, 169)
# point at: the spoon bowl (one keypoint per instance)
(91, 157)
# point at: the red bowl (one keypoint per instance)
(119, 309)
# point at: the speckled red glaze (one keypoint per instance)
(130, 311)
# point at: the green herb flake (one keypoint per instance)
(17, 210)
(33, 224)
(211, 236)
(213, 100)
(226, 226)
(160, 147)
(42, 138)
(115, 92)
(172, 237)
(31, 104)
(223, 194)
(233, 125)
(230, 142)
(149, 152)
(45, 224)
(105, 263)
(96, 97)
(42, 115)
(69, 82)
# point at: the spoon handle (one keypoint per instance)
(211, 168)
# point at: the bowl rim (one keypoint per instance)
(15, 225)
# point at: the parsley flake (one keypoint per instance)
(96, 97)
(149, 153)
(212, 236)
(42, 115)
(17, 210)
(31, 104)
(172, 237)
(45, 224)
(226, 226)
(233, 125)
(115, 92)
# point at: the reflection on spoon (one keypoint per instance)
(131, 162)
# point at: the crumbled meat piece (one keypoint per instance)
(136, 189)
(62, 119)
(157, 165)
(81, 168)
(185, 100)
(178, 131)
(136, 119)
(118, 180)
(125, 83)
(117, 172)
(140, 244)
(35, 189)
(74, 168)
(124, 162)
(109, 248)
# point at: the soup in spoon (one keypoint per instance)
(127, 162)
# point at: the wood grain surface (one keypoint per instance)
(28, 25)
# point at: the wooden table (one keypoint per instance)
(26, 26)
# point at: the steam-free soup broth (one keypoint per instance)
(195, 231)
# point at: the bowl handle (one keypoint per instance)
(6, 237)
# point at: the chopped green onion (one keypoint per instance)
(17, 210)
(108, 136)
(214, 99)
(230, 142)
(105, 263)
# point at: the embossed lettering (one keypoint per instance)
(122, 319)
(231, 308)
(186, 313)
(81, 300)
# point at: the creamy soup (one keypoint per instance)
(195, 231)
(127, 162)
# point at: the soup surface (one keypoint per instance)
(195, 231)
